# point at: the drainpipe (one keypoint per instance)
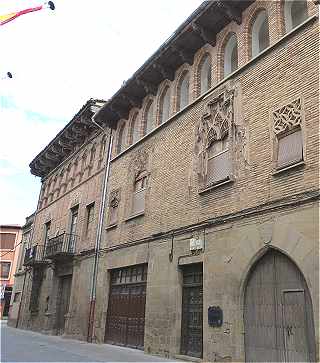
(98, 236)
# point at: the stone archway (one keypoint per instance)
(278, 316)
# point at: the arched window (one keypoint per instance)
(120, 143)
(260, 33)
(183, 91)
(134, 130)
(231, 55)
(164, 105)
(149, 123)
(205, 74)
(295, 13)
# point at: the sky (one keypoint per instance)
(59, 59)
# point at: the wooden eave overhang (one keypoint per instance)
(200, 28)
(71, 136)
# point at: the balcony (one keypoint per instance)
(34, 256)
(61, 247)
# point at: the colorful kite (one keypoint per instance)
(4, 19)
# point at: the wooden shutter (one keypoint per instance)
(7, 241)
(219, 168)
(290, 149)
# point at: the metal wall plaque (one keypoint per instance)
(215, 316)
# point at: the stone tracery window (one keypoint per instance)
(164, 109)
(295, 13)
(231, 55)
(287, 127)
(183, 91)
(260, 33)
(213, 142)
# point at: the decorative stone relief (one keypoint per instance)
(139, 162)
(114, 198)
(47, 217)
(75, 199)
(287, 117)
(215, 124)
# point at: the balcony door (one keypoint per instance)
(73, 228)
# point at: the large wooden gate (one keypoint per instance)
(192, 311)
(126, 308)
(63, 302)
(278, 312)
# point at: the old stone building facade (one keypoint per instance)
(210, 234)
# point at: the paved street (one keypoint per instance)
(25, 346)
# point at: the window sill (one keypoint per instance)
(300, 164)
(111, 226)
(214, 186)
(140, 214)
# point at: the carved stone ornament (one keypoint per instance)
(75, 199)
(47, 217)
(215, 124)
(115, 198)
(287, 117)
(140, 161)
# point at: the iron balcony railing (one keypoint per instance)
(61, 245)
(34, 255)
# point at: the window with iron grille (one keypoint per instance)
(5, 267)
(7, 241)
(139, 193)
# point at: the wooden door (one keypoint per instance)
(278, 314)
(192, 311)
(126, 308)
(63, 302)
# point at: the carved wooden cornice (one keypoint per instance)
(71, 137)
(200, 28)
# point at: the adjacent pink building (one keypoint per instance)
(10, 238)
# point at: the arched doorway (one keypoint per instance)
(278, 315)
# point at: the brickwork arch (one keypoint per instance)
(249, 23)
(164, 87)
(201, 56)
(148, 121)
(120, 143)
(134, 131)
(183, 72)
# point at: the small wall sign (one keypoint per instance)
(215, 316)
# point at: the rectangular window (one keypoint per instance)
(139, 194)
(90, 217)
(7, 241)
(290, 149)
(5, 269)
